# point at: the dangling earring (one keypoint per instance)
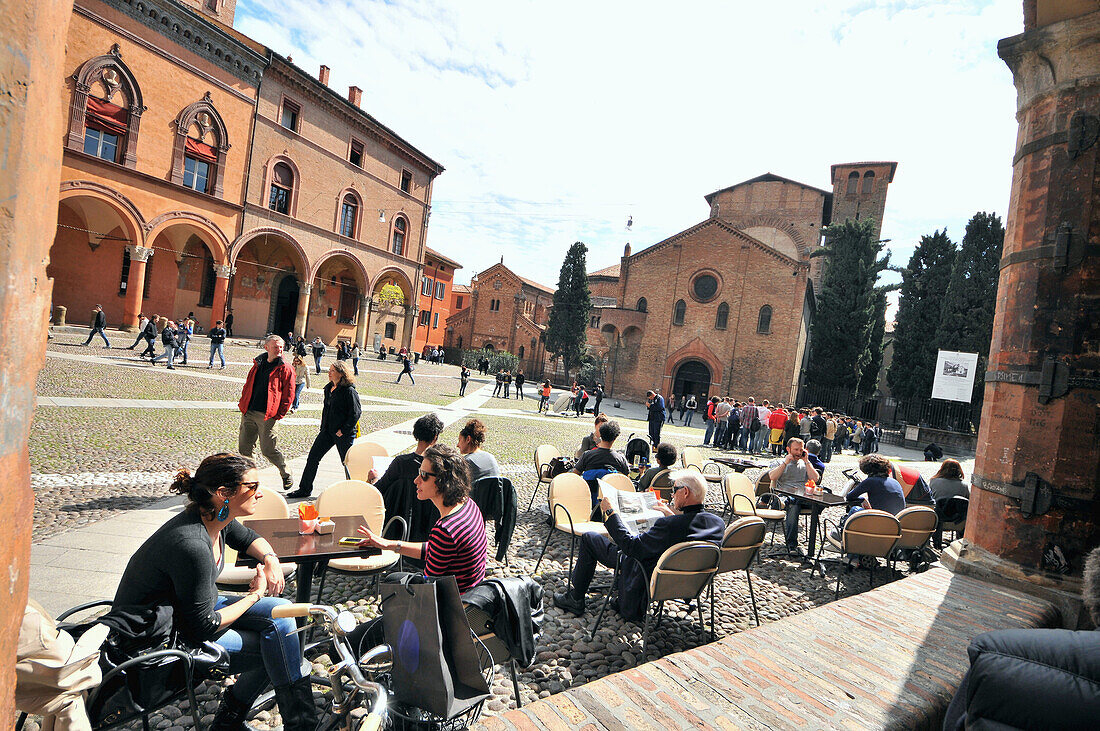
(224, 512)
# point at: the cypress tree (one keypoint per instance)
(967, 319)
(923, 290)
(565, 331)
(868, 376)
(841, 330)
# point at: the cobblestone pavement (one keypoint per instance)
(92, 462)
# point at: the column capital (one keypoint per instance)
(305, 287)
(365, 302)
(223, 271)
(139, 253)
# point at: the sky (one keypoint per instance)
(556, 121)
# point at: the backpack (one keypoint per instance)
(754, 425)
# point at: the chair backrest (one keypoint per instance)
(354, 497)
(571, 492)
(271, 505)
(918, 523)
(953, 510)
(871, 533)
(764, 482)
(543, 454)
(360, 458)
(743, 538)
(619, 481)
(683, 571)
(692, 457)
(736, 483)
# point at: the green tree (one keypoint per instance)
(923, 290)
(868, 375)
(846, 305)
(565, 332)
(967, 319)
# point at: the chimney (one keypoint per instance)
(355, 95)
(323, 75)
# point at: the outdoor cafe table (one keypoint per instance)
(309, 550)
(736, 463)
(817, 501)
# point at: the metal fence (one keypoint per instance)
(955, 416)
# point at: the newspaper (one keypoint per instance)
(638, 508)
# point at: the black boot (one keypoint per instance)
(296, 706)
(231, 714)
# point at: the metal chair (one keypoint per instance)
(918, 523)
(543, 454)
(693, 457)
(236, 578)
(872, 533)
(570, 509)
(740, 544)
(742, 500)
(682, 572)
(483, 626)
(359, 460)
(355, 497)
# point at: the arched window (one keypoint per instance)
(521, 351)
(853, 183)
(201, 143)
(391, 330)
(764, 320)
(721, 319)
(460, 342)
(642, 305)
(282, 186)
(678, 312)
(868, 181)
(106, 110)
(400, 228)
(349, 216)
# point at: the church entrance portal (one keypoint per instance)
(286, 307)
(692, 376)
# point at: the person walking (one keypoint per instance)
(318, 350)
(186, 330)
(229, 323)
(463, 379)
(149, 333)
(355, 353)
(339, 418)
(520, 380)
(499, 385)
(99, 324)
(671, 405)
(406, 369)
(301, 380)
(544, 397)
(168, 339)
(217, 340)
(265, 399)
(656, 406)
(142, 322)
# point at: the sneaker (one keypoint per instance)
(171, 368)
(564, 600)
(288, 482)
(298, 494)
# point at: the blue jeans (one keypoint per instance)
(183, 351)
(298, 388)
(687, 417)
(260, 648)
(317, 362)
(219, 349)
(710, 431)
(355, 365)
(743, 442)
(719, 432)
(169, 354)
(101, 334)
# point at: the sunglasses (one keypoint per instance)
(248, 486)
(425, 475)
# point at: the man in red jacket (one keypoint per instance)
(268, 391)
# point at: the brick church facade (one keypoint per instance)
(189, 185)
(724, 306)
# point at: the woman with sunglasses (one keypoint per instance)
(178, 566)
(456, 545)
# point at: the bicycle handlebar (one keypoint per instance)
(291, 610)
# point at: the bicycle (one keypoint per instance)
(350, 687)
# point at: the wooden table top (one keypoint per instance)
(827, 499)
(290, 547)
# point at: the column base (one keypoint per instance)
(963, 557)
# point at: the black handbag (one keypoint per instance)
(435, 662)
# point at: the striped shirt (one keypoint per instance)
(457, 547)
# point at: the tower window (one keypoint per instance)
(679, 312)
(355, 156)
(868, 182)
(721, 319)
(853, 183)
(764, 320)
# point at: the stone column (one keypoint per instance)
(32, 117)
(302, 318)
(364, 321)
(411, 311)
(1035, 501)
(135, 286)
(222, 272)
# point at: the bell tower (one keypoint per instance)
(219, 10)
(859, 191)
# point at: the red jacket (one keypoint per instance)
(280, 389)
(778, 419)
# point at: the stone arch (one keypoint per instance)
(130, 214)
(694, 350)
(97, 70)
(214, 238)
(401, 279)
(247, 236)
(356, 266)
(610, 334)
(770, 220)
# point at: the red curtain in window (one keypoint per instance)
(107, 116)
(200, 150)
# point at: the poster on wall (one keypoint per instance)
(954, 375)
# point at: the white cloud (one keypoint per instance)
(558, 120)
